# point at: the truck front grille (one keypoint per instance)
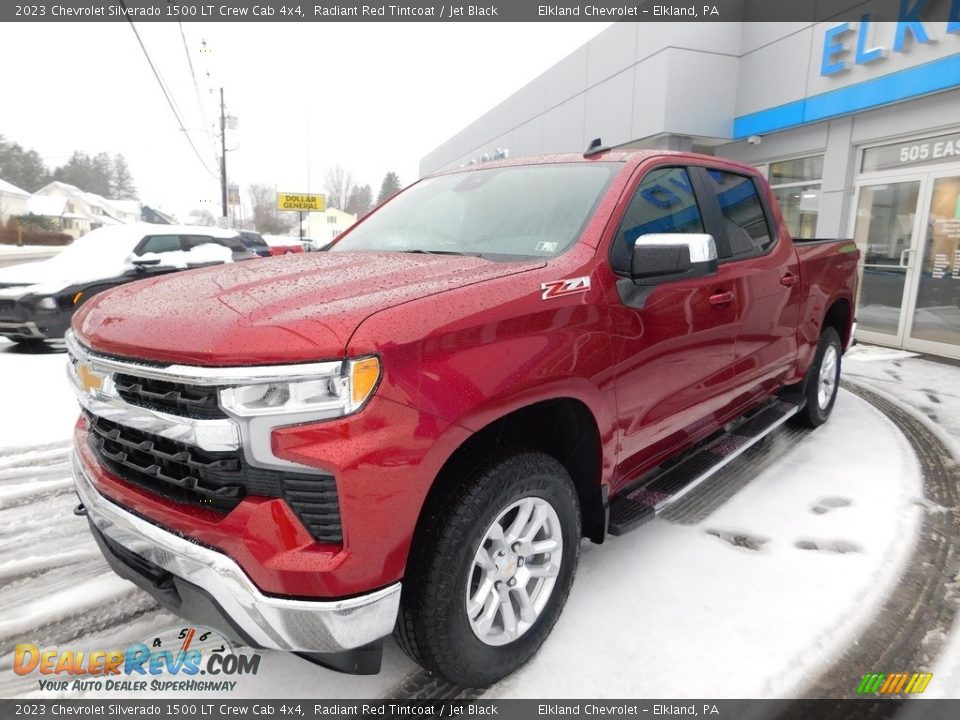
(7, 307)
(196, 401)
(216, 480)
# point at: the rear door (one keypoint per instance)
(759, 262)
(673, 343)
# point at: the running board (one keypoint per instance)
(630, 510)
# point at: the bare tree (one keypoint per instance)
(338, 183)
(266, 218)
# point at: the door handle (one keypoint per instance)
(905, 258)
(721, 298)
(789, 280)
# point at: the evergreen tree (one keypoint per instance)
(123, 186)
(102, 175)
(78, 170)
(389, 187)
(23, 168)
(360, 201)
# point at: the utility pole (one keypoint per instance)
(223, 155)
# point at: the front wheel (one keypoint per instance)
(492, 572)
(822, 381)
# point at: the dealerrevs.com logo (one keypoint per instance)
(180, 659)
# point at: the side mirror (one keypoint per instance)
(663, 257)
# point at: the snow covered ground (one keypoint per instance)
(14, 254)
(932, 391)
(767, 589)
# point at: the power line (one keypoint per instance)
(166, 94)
(196, 86)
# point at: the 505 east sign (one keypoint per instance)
(849, 43)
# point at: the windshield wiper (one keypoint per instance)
(444, 252)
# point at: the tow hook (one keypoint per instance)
(80, 510)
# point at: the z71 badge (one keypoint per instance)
(560, 288)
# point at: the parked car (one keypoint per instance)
(254, 241)
(498, 361)
(37, 300)
(283, 244)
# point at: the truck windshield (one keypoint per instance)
(499, 214)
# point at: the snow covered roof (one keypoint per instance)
(105, 220)
(109, 207)
(11, 189)
(48, 205)
(131, 207)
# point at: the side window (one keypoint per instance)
(192, 241)
(745, 223)
(664, 202)
(159, 244)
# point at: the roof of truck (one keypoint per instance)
(612, 155)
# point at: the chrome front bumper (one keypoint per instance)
(270, 622)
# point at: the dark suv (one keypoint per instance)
(37, 300)
(254, 241)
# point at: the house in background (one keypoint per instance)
(13, 201)
(324, 227)
(85, 211)
(156, 217)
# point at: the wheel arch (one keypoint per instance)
(839, 317)
(563, 427)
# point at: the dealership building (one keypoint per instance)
(855, 124)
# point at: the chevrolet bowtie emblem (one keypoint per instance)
(90, 381)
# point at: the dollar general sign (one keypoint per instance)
(301, 202)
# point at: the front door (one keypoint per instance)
(908, 231)
(886, 229)
(673, 343)
(934, 314)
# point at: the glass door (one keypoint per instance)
(885, 230)
(935, 312)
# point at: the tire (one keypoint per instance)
(433, 626)
(822, 381)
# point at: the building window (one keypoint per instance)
(331, 219)
(796, 185)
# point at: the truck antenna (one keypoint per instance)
(596, 147)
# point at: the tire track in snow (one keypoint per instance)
(55, 586)
(421, 685)
(911, 628)
(18, 450)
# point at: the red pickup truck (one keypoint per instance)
(412, 432)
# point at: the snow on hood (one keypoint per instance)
(99, 254)
(103, 253)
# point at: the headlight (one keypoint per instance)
(333, 395)
(47, 303)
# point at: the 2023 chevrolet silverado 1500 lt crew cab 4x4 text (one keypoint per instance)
(413, 431)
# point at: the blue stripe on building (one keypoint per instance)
(930, 77)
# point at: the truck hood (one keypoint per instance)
(295, 308)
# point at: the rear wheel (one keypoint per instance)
(493, 570)
(822, 381)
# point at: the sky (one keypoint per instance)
(371, 97)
